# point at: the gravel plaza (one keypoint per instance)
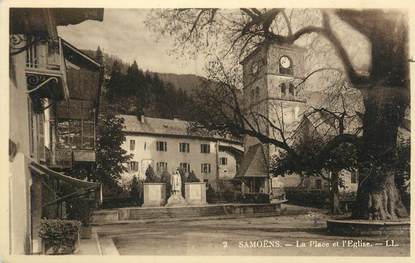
(302, 232)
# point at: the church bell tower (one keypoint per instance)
(272, 80)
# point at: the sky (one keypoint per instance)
(124, 34)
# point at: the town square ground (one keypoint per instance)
(301, 232)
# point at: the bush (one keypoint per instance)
(151, 176)
(319, 199)
(183, 177)
(118, 202)
(59, 236)
(165, 178)
(347, 196)
(136, 190)
(211, 195)
(80, 209)
(253, 198)
(192, 178)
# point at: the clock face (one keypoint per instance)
(285, 62)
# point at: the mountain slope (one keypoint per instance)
(185, 82)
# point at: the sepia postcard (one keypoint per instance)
(257, 130)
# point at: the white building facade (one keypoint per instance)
(166, 144)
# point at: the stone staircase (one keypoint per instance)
(108, 216)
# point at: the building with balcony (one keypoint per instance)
(168, 144)
(73, 121)
(42, 79)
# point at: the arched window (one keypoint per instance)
(283, 89)
(291, 89)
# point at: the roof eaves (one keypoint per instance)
(82, 54)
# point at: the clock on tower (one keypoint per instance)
(285, 65)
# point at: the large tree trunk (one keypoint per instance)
(378, 197)
(385, 100)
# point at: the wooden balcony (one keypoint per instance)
(59, 158)
(46, 70)
(66, 158)
(84, 156)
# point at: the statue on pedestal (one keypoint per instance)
(176, 183)
(176, 198)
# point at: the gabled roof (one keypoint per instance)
(254, 163)
(155, 125)
(76, 56)
(166, 127)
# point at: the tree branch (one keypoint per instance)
(287, 21)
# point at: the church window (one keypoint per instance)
(291, 89)
(283, 89)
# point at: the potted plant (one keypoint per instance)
(59, 237)
(195, 191)
(154, 189)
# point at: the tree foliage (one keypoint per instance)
(384, 86)
(151, 176)
(192, 178)
(111, 158)
(137, 92)
(136, 190)
(166, 178)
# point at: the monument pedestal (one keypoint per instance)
(154, 194)
(195, 193)
(176, 199)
